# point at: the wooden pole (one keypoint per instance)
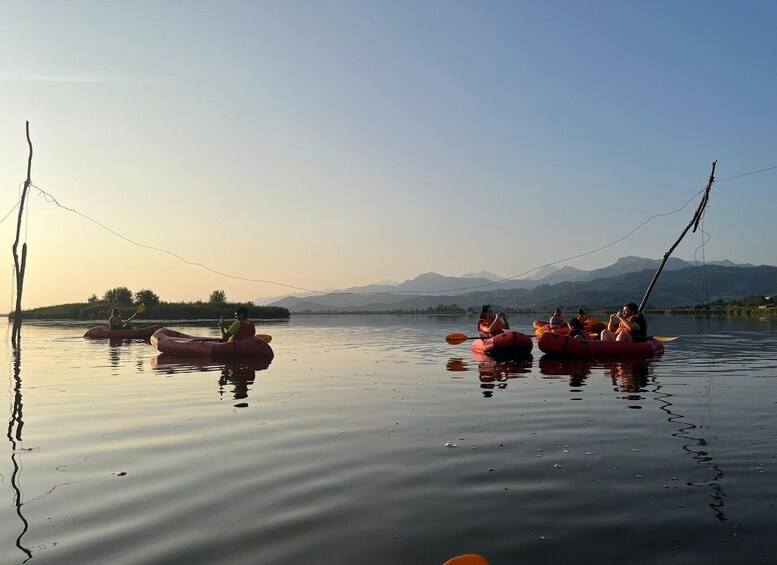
(16, 334)
(693, 223)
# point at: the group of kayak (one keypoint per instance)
(238, 339)
(625, 335)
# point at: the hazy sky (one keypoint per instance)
(337, 143)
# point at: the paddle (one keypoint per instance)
(264, 337)
(455, 339)
(141, 309)
(664, 337)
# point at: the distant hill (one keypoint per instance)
(633, 264)
(482, 275)
(624, 281)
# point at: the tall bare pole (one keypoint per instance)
(693, 223)
(16, 334)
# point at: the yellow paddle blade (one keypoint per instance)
(264, 337)
(467, 559)
(664, 338)
(455, 339)
(141, 308)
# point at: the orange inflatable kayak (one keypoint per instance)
(558, 344)
(177, 343)
(505, 343)
(102, 332)
(540, 327)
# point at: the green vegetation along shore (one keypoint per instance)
(153, 308)
(163, 311)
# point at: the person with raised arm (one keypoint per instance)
(490, 324)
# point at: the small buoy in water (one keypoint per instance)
(450, 444)
(467, 559)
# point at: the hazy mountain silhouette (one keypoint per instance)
(623, 281)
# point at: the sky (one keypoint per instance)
(327, 144)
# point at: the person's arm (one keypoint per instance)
(633, 325)
(223, 329)
(612, 325)
(231, 331)
(496, 321)
(505, 322)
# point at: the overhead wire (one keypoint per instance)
(52, 199)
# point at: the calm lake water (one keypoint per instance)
(336, 453)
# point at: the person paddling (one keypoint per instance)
(239, 329)
(490, 324)
(556, 320)
(115, 322)
(626, 325)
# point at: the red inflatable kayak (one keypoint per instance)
(558, 344)
(177, 343)
(507, 342)
(540, 327)
(103, 332)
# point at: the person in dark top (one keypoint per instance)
(627, 325)
(115, 322)
(577, 329)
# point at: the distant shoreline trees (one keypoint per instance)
(155, 309)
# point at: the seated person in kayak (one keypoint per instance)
(115, 322)
(556, 320)
(626, 325)
(577, 329)
(490, 324)
(239, 329)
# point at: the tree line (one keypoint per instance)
(121, 297)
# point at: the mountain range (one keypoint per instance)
(680, 283)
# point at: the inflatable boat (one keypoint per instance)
(506, 343)
(103, 332)
(540, 327)
(177, 343)
(562, 345)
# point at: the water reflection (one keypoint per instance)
(633, 378)
(14, 435)
(697, 449)
(237, 377)
(494, 373)
(627, 376)
(578, 371)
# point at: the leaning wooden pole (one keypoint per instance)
(693, 223)
(20, 265)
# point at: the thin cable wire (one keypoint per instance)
(51, 199)
(747, 174)
(15, 206)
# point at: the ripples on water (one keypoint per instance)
(336, 452)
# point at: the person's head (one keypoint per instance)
(575, 324)
(581, 312)
(485, 311)
(630, 309)
(241, 313)
(115, 312)
(557, 312)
